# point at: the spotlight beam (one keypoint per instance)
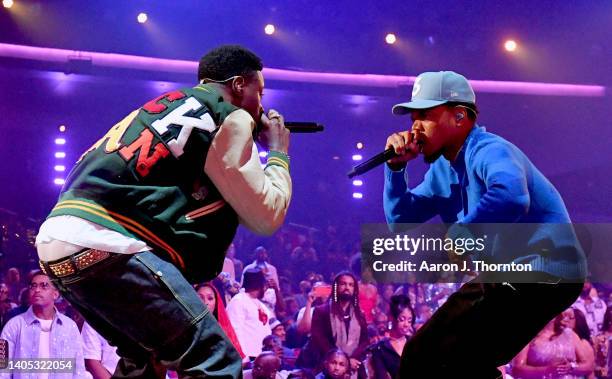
(365, 80)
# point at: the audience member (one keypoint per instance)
(386, 354)
(554, 353)
(100, 357)
(265, 366)
(336, 365)
(248, 315)
(212, 299)
(339, 323)
(601, 346)
(592, 307)
(56, 335)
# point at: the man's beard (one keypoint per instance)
(345, 297)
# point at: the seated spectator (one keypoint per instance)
(13, 282)
(262, 261)
(373, 335)
(5, 303)
(291, 307)
(574, 319)
(554, 352)
(248, 315)
(592, 307)
(336, 365)
(238, 265)
(212, 299)
(386, 354)
(265, 366)
(278, 329)
(601, 346)
(100, 358)
(368, 295)
(42, 331)
(273, 343)
(424, 311)
(302, 297)
(24, 304)
(381, 322)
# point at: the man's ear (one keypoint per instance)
(238, 84)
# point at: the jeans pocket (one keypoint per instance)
(171, 278)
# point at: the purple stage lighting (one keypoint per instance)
(357, 182)
(357, 195)
(357, 157)
(365, 80)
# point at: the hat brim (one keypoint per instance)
(405, 108)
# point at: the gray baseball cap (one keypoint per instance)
(431, 89)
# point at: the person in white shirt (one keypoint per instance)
(262, 261)
(592, 306)
(100, 358)
(44, 333)
(248, 315)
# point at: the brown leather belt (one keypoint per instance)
(74, 263)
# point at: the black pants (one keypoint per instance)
(483, 326)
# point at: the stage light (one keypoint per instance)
(269, 29)
(60, 141)
(60, 168)
(263, 154)
(336, 158)
(62, 128)
(357, 183)
(60, 154)
(142, 18)
(59, 181)
(357, 157)
(357, 195)
(390, 38)
(7, 3)
(510, 45)
(359, 145)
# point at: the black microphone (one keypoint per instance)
(375, 161)
(303, 127)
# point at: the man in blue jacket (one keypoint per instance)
(477, 178)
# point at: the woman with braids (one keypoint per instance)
(212, 299)
(337, 324)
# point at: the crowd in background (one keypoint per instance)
(297, 305)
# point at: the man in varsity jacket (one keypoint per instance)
(154, 204)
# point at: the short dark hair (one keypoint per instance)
(226, 61)
(472, 109)
(337, 351)
(36, 273)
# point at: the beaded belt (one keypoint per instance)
(74, 263)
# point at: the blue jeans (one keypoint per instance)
(144, 306)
